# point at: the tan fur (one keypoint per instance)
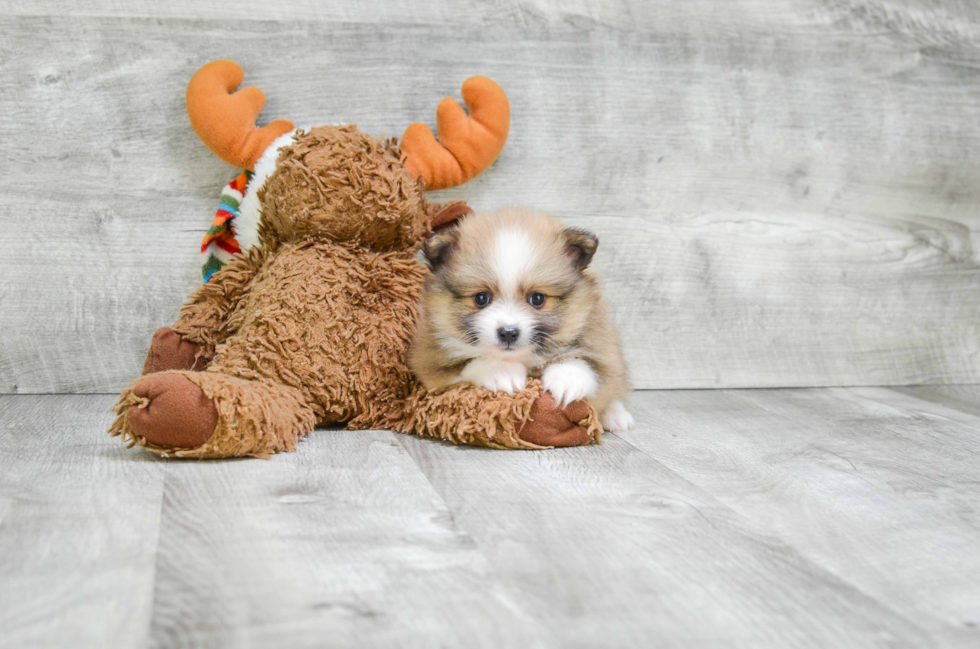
(313, 327)
(575, 303)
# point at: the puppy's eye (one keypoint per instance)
(536, 299)
(482, 299)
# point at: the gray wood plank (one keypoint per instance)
(607, 547)
(875, 487)
(787, 207)
(341, 544)
(390, 12)
(960, 397)
(79, 520)
(934, 22)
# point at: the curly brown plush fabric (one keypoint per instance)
(313, 326)
(465, 414)
(339, 184)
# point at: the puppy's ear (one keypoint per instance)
(439, 248)
(580, 245)
(444, 215)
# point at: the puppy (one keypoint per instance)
(511, 295)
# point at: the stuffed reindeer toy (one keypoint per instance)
(309, 324)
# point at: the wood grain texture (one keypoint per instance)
(960, 397)
(342, 544)
(785, 192)
(876, 487)
(390, 12)
(608, 547)
(79, 522)
(789, 518)
(943, 22)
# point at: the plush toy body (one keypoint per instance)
(311, 325)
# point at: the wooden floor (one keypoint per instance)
(808, 517)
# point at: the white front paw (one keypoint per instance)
(499, 376)
(616, 418)
(570, 381)
(506, 380)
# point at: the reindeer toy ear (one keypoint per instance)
(225, 119)
(467, 145)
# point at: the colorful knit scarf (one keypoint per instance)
(219, 243)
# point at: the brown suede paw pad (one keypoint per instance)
(549, 425)
(174, 412)
(169, 351)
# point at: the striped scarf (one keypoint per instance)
(219, 243)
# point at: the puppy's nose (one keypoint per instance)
(508, 334)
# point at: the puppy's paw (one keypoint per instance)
(499, 376)
(506, 380)
(616, 418)
(570, 381)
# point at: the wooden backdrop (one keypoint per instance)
(786, 191)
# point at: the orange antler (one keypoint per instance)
(467, 145)
(225, 119)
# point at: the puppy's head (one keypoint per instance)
(515, 285)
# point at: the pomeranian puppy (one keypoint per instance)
(511, 295)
